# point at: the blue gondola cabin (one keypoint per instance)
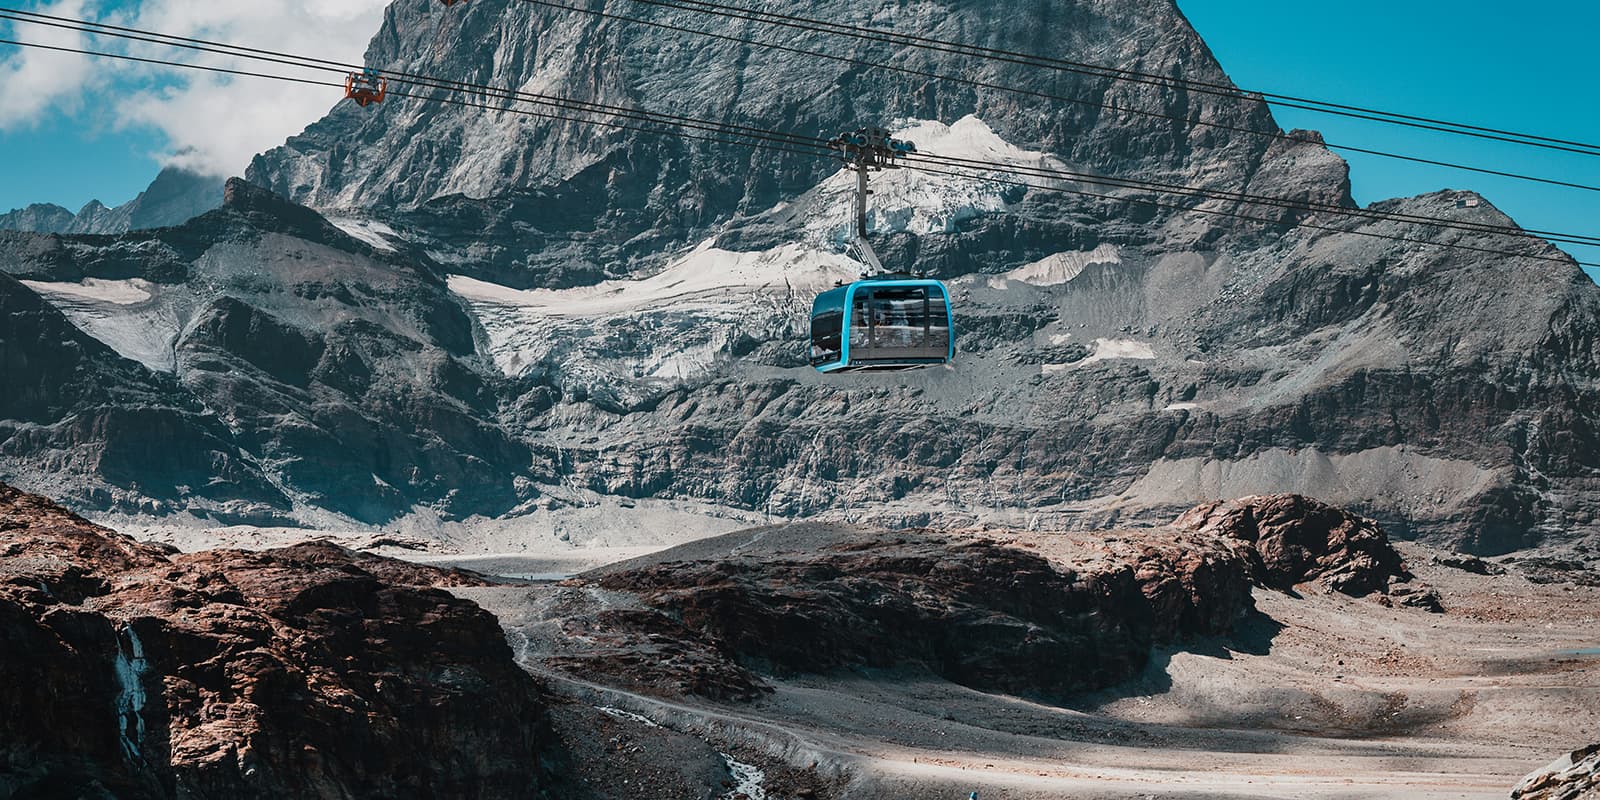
(886, 323)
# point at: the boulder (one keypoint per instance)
(976, 612)
(1297, 539)
(1574, 776)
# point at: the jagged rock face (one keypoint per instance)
(173, 198)
(1154, 359)
(1571, 777)
(304, 672)
(1297, 539)
(330, 373)
(76, 413)
(37, 218)
(530, 201)
(986, 616)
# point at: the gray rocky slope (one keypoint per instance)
(534, 303)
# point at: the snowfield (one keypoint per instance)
(702, 279)
(1062, 267)
(135, 318)
(680, 323)
(671, 326)
(370, 231)
(1105, 350)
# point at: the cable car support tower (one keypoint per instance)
(868, 150)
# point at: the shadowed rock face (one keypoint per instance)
(306, 672)
(1034, 614)
(987, 616)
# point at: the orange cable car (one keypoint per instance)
(366, 87)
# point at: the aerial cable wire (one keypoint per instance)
(743, 141)
(1243, 197)
(4, 12)
(425, 97)
(761, 133)
(1277, 135)
(1116, 73)
(307, 62)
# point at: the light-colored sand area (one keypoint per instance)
(542, 543)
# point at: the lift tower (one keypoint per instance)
(868, 150)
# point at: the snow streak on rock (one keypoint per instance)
(919, 202)
(1063, 267)
(140, 320)
(130, 667)
(748, 781)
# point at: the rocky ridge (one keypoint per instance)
(1571, 777)
(284, 366)
(302, 672)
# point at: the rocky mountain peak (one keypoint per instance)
(175, 196)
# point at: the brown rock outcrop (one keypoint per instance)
(1574, 776)
(1296, 539)
(305, 672)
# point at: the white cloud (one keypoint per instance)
(213, 123)
(32, 81)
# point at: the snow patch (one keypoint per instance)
(1063, 267)
(613, 711)
(748, 781)
(680, 321)
(1105, 349)
(370, 231)
(114, 292)
(130, 666)
(1181, 407)
(909, 200)
(139, 320)
(705, 276)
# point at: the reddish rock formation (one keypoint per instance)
(1297, 539)
(1196, 585)
(306, 672)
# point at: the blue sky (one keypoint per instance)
(1527, 67)
(74, 129)
(1466, 60)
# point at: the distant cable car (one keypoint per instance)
(884, 323)
(366, 87)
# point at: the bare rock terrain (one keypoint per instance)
(306, 671)
(814, 661)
